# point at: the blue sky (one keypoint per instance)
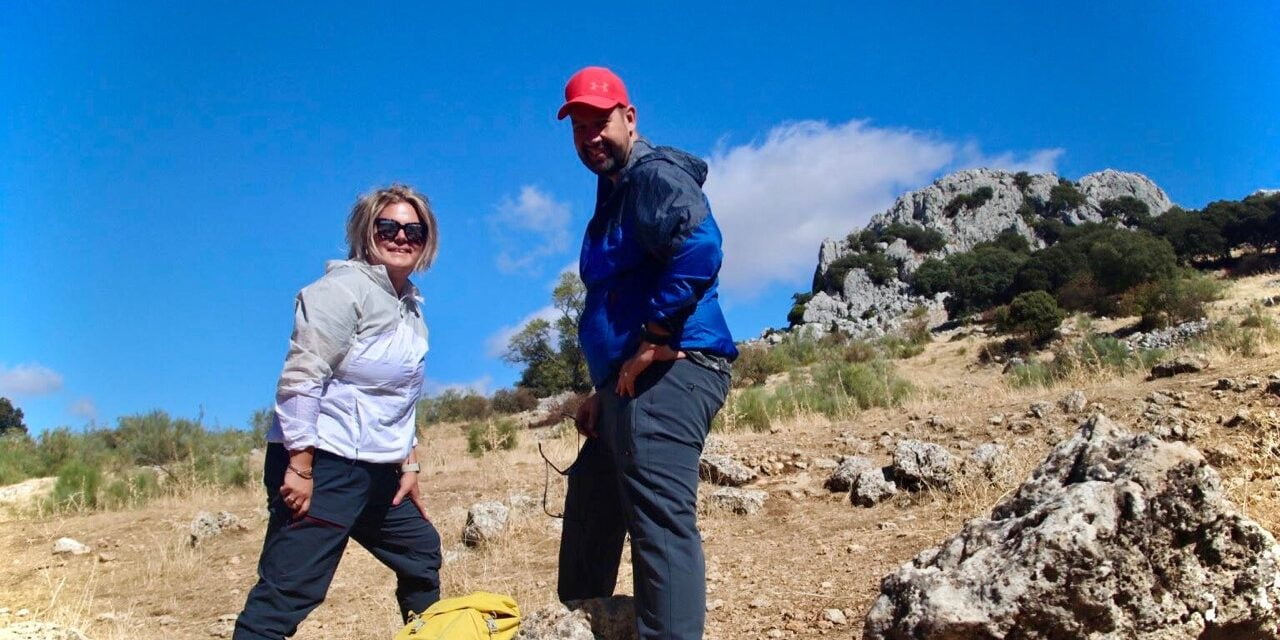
(171, 174)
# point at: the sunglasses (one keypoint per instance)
(387, 229)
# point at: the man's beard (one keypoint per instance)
(615, 159)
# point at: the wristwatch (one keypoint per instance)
(410, 466)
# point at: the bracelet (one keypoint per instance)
(305, 474)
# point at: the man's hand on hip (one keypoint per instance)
(646, 355)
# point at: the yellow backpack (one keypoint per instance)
(478, 616)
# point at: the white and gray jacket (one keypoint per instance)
(354, 370)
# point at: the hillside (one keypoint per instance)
(807, 565)
(861, 283)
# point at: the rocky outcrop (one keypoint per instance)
(485, 522)
(1114, 536)
(965, 208)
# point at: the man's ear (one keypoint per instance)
(629, 115)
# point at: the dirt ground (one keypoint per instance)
(772, 574)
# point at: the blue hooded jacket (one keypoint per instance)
(651, 253)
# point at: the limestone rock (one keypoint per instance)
(739, 501)
(1073, 402)
(1113, 536)
(922, 465)
(485, 522)
(871, 488)
(207, 525)
(72, 546)
(724, 470)
(989, 460)
(582, 620)
(1190, 363)
(841, 479)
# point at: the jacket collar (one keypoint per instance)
(378, 274)
(605, 187)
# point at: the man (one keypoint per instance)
(658, 351)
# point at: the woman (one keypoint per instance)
(340, 461)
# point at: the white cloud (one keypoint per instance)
(777, 199)
(529, 227)
(84, 408)
(480, 385)
(29, 380)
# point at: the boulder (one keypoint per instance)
(740, 501)
(841, 480)
(723, 470)
(1113, 536)
(485, 522)
(989, 460)
(612, 617)
(207, 525)
(870, 488)
(63, 546)
(922, 465)
(1073, 402)
(1190, 363)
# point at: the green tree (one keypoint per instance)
(933, 276)
(549, 351)
(1064, 197)
(1192, 234)
(1127, 209)
(1034, 316)
(983, 278)
(11, 418)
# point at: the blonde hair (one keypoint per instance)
(360, 236)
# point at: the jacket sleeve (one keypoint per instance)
(324, 327)
(673, 223)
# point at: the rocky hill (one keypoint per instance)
(952, 215)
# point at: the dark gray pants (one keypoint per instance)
(640, 477)
(351, 499)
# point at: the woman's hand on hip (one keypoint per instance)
(409, 488)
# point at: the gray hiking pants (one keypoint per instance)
(640, 477)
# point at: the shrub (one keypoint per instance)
(1082, 293)
(1253, 264)
(1064, 197)
(982, 278)
(972, 200)
(77, 486)
(880, 269)
(513, 400)
(864, 384)
(1192, 235)
(918, 238)
(750, 409)
(1010, 240)
(1123, 260)
(756, 363)
(453, 406)
(863, 241)
(1174, 300)
(489, 435)
(1022, 180)
(798, 301)
(1031, 374)
(1034, 315)
(18, 457)
(932, 277)
(1049, 229)
(1127, 209)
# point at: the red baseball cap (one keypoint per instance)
(595, 87)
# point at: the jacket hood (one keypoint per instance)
(644, 151)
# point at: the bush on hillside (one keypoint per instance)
(1192, 235)
(1022, 180)
(1049, 229)
(932, 277)
(798, 300)
(1034, 316)
(489, 435)
(1064, 197)
(972, 200)
(880, 269)
(982, 278)
(1123, 260)
(1174, 300)
(513, 400)
(920, 239)
(1127, 210)
(453, 405)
